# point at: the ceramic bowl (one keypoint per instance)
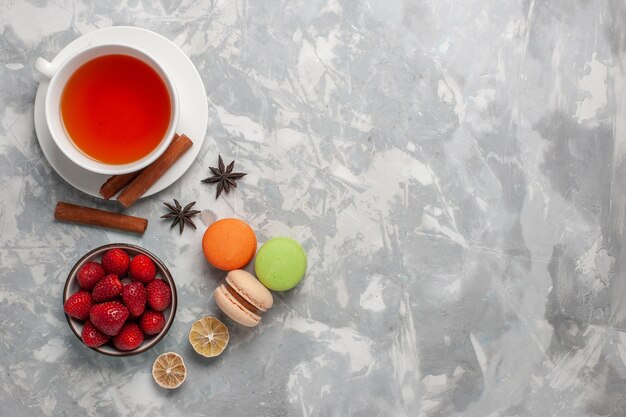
(71, 286)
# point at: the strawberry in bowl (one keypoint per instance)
(119, 299)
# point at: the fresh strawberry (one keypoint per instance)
(152, 322)
(108, 317)
(89, 274)
(129, 338)
(78, 305)
(142, 269)
(93, 337)
(134, 296)
(116, 261)
(159, 295)
(108, 288)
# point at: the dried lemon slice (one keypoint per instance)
(208, 336)
(169, 370)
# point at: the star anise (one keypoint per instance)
(181, 215)
(224, 177)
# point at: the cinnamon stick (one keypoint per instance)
(95, 217)
(115, 183)
(154, 171)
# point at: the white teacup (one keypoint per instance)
(60, 74)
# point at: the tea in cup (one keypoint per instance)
(111, 109)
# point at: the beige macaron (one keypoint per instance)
(243, 298)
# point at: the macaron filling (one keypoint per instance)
(242, 300)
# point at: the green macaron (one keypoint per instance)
(280, 264)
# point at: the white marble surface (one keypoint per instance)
(455, 170)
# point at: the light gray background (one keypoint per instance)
(455, 170)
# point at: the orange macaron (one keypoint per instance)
(229, 244)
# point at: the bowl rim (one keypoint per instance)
(160, 265)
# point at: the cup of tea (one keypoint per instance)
(111, 109)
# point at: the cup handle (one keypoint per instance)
(45, 68)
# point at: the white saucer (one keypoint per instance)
(193, 116)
